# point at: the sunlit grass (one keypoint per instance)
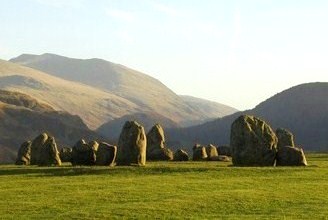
(166, 190)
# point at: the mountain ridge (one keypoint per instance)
(146, 92)
(301, 109)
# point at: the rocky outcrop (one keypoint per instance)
(285, 138)
(106, 154)
(24, 154)
(290, 156)
(132, 145)
(253, 142)
(181, 155)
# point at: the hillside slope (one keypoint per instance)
(113, 128)
(211, 109)
(23, 117)
(146, 92)
(94, 106)
(303, 109)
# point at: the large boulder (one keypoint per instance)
(181, 155)
(132, 144)
(285, 138)
(106, 154)
(24, 154)
(36, 148)
(83, 153)
(253, 142)
(290, 156)
(199, 152)
(224, 150)
(66, 154)
(160, 154)
(49, 153)
(212, 153)
(155, 138)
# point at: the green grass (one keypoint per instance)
(196, 190)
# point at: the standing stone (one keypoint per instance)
(49, 153)
(155, 138)
(212, 153)
(66, 154)
(290, 156)
(36, 147)
(94, 145)
(156, 149)
(181, 155)
(106, 154)
(253, 142)
(199, 152)
(285, 138)
(83, 153)
(224, 150)
(132, 144)
(24, 154)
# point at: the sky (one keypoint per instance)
(236, 52)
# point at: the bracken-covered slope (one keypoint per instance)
(146, 93)
(303, 109)
(23, 118)
(94, 106)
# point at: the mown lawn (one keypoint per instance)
(193, 190)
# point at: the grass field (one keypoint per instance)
(193, 190)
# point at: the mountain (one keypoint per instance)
(113, 128)
(303, 109)
(213, 110)
(94, 106)
(24, 117)
(145, 93)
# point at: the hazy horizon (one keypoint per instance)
(237, 53)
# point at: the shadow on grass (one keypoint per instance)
(94, 170)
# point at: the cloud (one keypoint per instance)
(121, 15)
(61, 3)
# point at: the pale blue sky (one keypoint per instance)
(235, 52)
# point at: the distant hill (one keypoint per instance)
(145, 93)
(94, 106)
(23, 118)
(212, 109)
(112, 129)
(303, 109)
